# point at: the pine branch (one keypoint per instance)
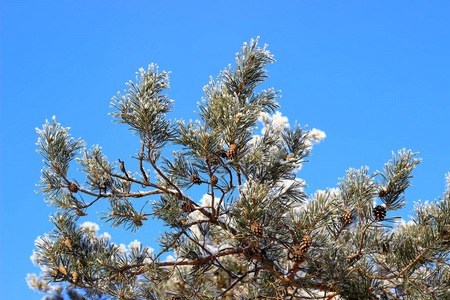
(265, 239)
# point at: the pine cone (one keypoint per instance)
(347, 218)
(213, 159)
(257, 229)
(232, 151)
(382, 192)
(187, 207)
(252, 248)
(379, 212)
(63, 270)
(73, 187)
(68, 244)
(74, 277)
(138, 220)
(305, 243)
(296, 254)
(214, 180)
(80, 213)
(222, 153)
(195, 179)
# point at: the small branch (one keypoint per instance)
(239, 181)
(180, 193)
(358, 253)
(131, 179)
(419, 257)
(201, 260)
(141, 158)
(318, 217)
(234, 283)
(404, 269)
(133, 195)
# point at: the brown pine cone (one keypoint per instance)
(214, 180)
(305, 243)
(68, 243)
(73, 187)
(382, 192)
(296, 254)
(187, 207)
(63, 270)
(252, 248)
(257, 229)
(379, 212)
(222, 153)
(80, 213)
(195, 179)
(138, 220)
(213, 159)
(74, 277)
(347, 218)
(232, 151)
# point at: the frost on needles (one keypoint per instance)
(254, 234)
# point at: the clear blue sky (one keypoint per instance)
(374, 75)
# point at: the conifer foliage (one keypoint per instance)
(259, 236)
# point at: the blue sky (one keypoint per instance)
(374, 75)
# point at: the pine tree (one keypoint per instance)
(259, 236)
